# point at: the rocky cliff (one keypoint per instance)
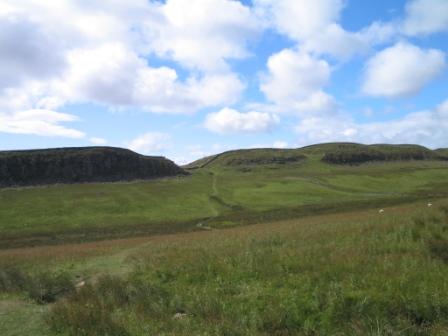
(84, 164)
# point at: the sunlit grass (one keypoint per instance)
(73, 213)
(355, 276)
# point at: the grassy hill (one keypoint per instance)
(177, 256)
(442, 153)
(75, 165)
(235, 188)
(259, 156)
(337, 153)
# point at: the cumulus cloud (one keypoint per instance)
(426, 17)
(106, 59)
(231, 121)
(428, 128)
(335, 40)
(314, 26)
(202, 34)
(402, 70)
(150, 143)
(39, 122)
(27, 52)
(295, 80)
(115, 76)
(300, 19)
(293, 75)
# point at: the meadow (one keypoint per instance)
(214, 196)
(258, 244)
(352, 273)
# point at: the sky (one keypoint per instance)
(189, 78)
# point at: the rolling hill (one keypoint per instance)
(337, 153)
(177, 256)
(76, 165)
(229, 189)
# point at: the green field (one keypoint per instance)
(216, 195)
(352, 273)
(177, 256)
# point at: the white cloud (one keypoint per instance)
(379, 32)
(428, 128)
(150, 143)
(300, 19)
(39, 122)
(202, 34)
(98, 141)
(217, 89)
(402, 70)
(334, 40)
(314, 26)
(426, 17)
(231, 121)
(295, 80)
(293, 75)
(342, 44)
(105, 60)
(115, 76)
(28, 51)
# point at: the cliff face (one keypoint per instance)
(357, 154)
(85, 164)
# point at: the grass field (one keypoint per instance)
(352, 273)
(215, 196)
(241, 246)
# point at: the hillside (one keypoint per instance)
(231, 189)
(258, 156)
(357, 154)
(442, 153)
(333, 153)
(84, 164)
(296, 244)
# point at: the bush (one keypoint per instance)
(41, 287)
(439, 248)
(48, 287)
(80, 318)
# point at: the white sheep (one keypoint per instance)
(381, 211)
(429, 205)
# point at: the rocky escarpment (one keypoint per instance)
(354, 154)
(84, 164)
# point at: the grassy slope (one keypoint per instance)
(354, 273)
(216, 195)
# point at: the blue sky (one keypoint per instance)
(185, 79)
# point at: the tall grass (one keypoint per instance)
(42, 287)
(85, 212)
(385, 276)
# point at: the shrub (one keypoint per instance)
(42, 287)
(48, 287)
(439, 248)
(84, 319)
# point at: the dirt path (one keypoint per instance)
(214, 195)
(214, 187)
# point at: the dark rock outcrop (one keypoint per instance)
(84, 164)
(354, 154)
